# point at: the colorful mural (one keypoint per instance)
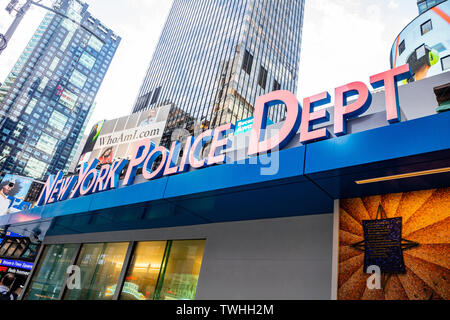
(424, 243)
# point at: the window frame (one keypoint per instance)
(423, 24)
(402, 44)
(262, 77)
(126, 264)
(442, 62)
(247, 62)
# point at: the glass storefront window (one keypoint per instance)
(100, 264)
(144, 270)
(158, 270)
(51, 272)
(179, 277)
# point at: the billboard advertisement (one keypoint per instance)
(92, 139)
(406, 236)
(13, 190)
(115, 139)
(425, 43)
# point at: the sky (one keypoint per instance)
(343, 41)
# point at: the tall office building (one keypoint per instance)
(48, 97)
(215, 57)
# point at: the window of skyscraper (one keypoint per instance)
(87, 60)
(95, 44)
(248, 62)
(262, 78)
(68, 99)
(78, 79)
(54, 64)
(276, 85)
(46, 143)
(35, 168)
(43, 84)
(30, 106)
(57, 120)
(155, 95)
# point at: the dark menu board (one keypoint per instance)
(383, 245)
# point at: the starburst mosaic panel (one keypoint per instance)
(425, 233)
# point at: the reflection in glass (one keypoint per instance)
(100, 265)
(144, 270)
(31, 251)
(5, 246)
(51, 272)
(179, 279)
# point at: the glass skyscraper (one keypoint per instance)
(48, 97)
(215, 57)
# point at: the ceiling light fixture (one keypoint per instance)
(404, 175)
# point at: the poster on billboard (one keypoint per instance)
(90, 142)
(13, 190)
(116, 139)
(406, 236)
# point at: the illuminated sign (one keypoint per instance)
(246, 125)
(16, 264)
(109, 145)
(145, 153)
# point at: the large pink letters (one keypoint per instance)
(140, 153)
(389, 80)
(218, 143)
(310, 117)
(286, 133)
(344, 111)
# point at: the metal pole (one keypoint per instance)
(4, 39)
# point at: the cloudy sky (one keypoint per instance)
(343, 41)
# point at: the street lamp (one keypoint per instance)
(5, 38)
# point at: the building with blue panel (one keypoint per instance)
(49, 95)
(291, 224)
(301, 221)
